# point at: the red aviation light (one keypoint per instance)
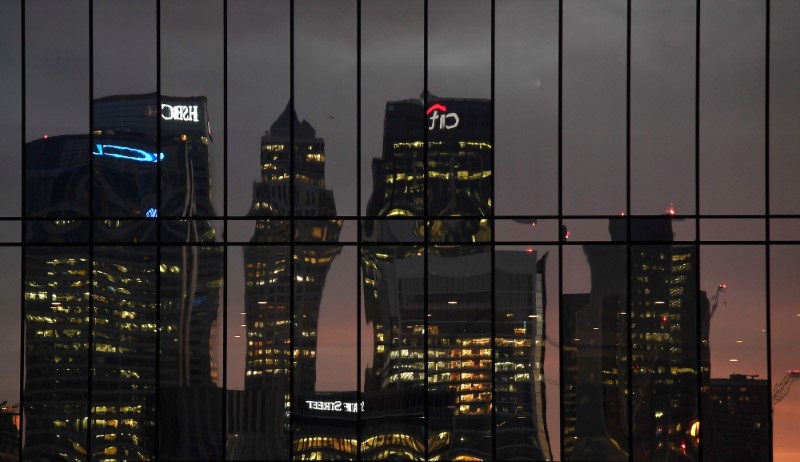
(671, 210)
(723, 287)
(435, 107)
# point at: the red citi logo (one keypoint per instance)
(440, 118)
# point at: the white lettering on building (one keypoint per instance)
(183, 113)
(334, 406)
(443, 119)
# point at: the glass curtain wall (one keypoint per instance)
(383, 230)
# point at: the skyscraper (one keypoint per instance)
(91, 286)
(292, 183)
(466, 310)
(663, 339)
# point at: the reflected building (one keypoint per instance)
(736, 419)
(663, 298)
(465, 306)
(95, 288)
(292, 183)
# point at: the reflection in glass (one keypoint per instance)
(785, 350)
(10, 345)
(735, 392)
(124, 356)
(594, 342)
(520, 301)
(392, 66)
(282, 288)
(190, 424)
(57, 340)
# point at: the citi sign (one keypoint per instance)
(183, 113)
(440, 118)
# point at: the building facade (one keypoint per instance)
(100, 296)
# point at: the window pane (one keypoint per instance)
(325, 348)
(526, 97)
(784, 101)
(594, 356)
(785, 351)
(10, 346)
(594, 107)
(11, 112)
(736, 395)
(57, 329)
(526, 364)
(662, 106)
(394, 393)
(392, 69)
(258, 92)
(325, 85)
(57, 109)
(124, 357)
(192, 105)
(190, 424)
(732, 107)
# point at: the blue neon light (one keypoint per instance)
(123, 152)
(152, 213)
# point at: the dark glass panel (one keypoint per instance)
(525, 361)
(259, 348)
(57, 355)
(124, 359)
(665, 339)
(325, 351)
(190, 420)
(393, 419)
(459, 338)
(10, 346)
(594, 353)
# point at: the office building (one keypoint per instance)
(663, 298)
(279, 284)
(96, 282)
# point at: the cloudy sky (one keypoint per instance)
(662, 165)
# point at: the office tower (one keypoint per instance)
(292, 183)
(663, 298)
(459, 168)
(736, 419)
(95, 288)
(465, 306)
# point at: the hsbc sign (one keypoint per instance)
(182, 113)
(440, 119)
